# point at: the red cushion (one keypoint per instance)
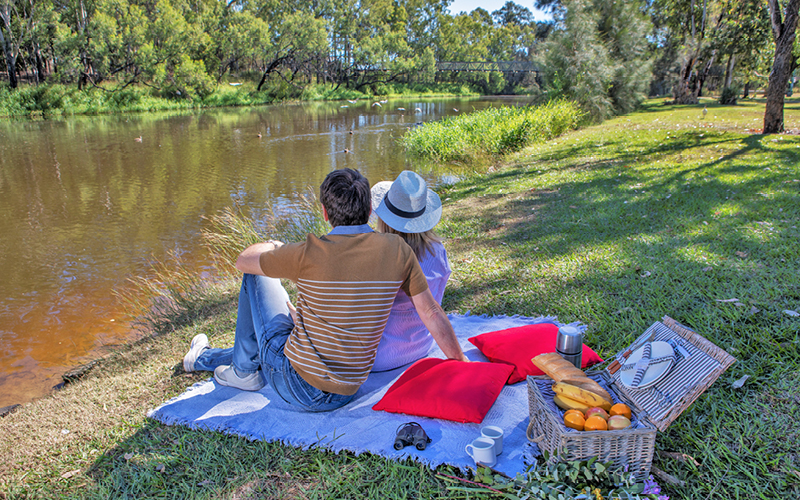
(517, 346)
(446, 388)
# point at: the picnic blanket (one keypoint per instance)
(263, 415)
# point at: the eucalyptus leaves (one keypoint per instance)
(580, 480)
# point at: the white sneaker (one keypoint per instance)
(226, 375)
(199, 344)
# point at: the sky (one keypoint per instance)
(493, 5)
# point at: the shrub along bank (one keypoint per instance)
(56, 99)
(491, 133)
(661, 212)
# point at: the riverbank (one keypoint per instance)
(661, 212)
(49, 100)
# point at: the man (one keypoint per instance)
(346, 282)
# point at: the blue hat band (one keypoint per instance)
(402, 213)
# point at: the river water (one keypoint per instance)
(87, 202)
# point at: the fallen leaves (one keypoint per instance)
(740, 383)
(742, 255)
(71, 473)
(791, 313)
(667, 478)
(680, 457)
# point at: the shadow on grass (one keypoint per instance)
(184, 463)
(620, 240)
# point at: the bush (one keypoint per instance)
(729, 95)
(491, 133)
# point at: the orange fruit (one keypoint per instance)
(620, 409)
(574, 421)
(595, 423)
(576, 412)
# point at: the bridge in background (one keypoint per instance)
(501, 66)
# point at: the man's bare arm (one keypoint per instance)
(249, 262)
(436, 321)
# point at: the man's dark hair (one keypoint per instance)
(346, 197)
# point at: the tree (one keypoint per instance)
(692, 21)
(783, 31)
(511, 13)
(744, 33)
(297, 39)
(597, 56)
(10, 38)
(576, 62)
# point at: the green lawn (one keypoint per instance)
(661, 212)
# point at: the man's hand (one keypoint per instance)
(436, 321)
(248, 261)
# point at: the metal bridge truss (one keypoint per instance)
(501, 66)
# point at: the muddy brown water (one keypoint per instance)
(87, 202)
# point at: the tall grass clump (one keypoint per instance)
(229, 231)
(170, 294)
(491, 133)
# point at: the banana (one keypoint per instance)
(590, 385)
(566, 403)
(581, 395)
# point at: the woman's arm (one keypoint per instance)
(436, 321)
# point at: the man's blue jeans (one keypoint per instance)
(263, 325)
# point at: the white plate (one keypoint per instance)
(655, 371)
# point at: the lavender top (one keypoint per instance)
(405, 339)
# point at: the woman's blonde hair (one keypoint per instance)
(421, 243)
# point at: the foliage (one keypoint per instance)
(491, 133)
(597, 57)
(578, 480)
(183, 50)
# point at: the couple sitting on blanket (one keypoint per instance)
(363, 300)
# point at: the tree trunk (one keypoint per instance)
(729, 71)
(683, 92)
(701, 77)
(272, 66)
(746, 93)
(40, 71)
(784, 34)
(8, 51)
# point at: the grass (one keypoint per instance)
(656, 213)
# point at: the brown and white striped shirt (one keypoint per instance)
(346, 285)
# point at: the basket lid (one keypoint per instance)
(666, 369)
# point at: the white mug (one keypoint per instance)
(496, 435)
(482, 451)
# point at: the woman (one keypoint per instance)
(408, 208)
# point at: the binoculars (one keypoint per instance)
(411, 433)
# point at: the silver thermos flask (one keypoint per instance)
(569, 344)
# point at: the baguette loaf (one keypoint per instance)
(561, 370)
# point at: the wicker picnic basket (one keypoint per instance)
(653, 408)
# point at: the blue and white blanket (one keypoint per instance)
(356, 427)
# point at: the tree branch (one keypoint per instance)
(775, 17)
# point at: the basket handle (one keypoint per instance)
(528, 432)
